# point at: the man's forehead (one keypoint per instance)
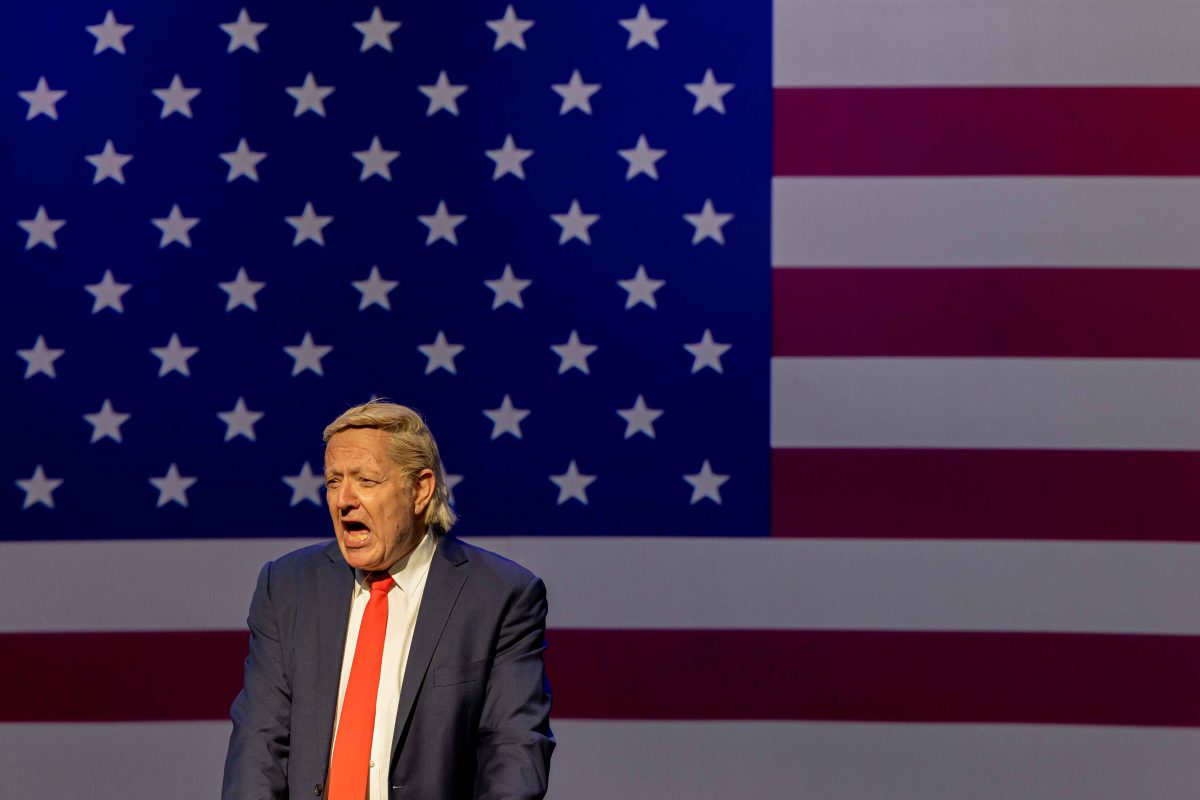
(358, 446)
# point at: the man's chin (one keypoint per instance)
(364, 558)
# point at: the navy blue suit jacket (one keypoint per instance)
(473, 720)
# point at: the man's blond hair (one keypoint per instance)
(411, 446)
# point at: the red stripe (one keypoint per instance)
(677, 674)
(877, 675)
(105, 677)
(987, 131)
(986, 494)
(1098, 313)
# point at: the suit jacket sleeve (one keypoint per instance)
(515, 741)
(256, 764)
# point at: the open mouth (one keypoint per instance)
(355, 533)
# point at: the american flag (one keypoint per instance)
(833, 362)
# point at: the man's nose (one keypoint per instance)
(346, 498)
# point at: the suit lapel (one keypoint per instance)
(335, 581)
(447, 574)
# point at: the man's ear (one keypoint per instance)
(423, 485)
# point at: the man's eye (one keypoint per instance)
(329, 484)
(367, 482)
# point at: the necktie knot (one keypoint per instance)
(381, 582)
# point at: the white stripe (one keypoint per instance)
(985, 42)
(1101, 587)
(656, 760)
(1062, 403)
(838, 584)
(185, 584)
(932, 222)
(130, 761)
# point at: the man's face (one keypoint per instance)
(376, 512)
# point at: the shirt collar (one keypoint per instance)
(409, 571)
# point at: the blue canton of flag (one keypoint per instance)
(546, 226)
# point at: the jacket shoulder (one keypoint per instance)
(299, 565)
(496, 566)
(304, 556)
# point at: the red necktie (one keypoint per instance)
(348, 774)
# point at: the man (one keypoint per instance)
(396, 662)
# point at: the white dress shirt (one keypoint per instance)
(404, 601)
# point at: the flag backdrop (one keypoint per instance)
(834, 362)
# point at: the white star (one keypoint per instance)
(376, 31)
(239, 421)
(42, 100)
(38, 488)
(243, 32)
(440, 354)
(709, 93)
(573, 354)
(108, 163)
(175, 227)
(108, 293)
(174, 357)
(374, 290)
(641, 288)
(441, 224)
(506, 418)
(172, 487)
(509, 29)
(305, 486)
(572, 484)
(309, 226)
(575, 94)
(642, 158)
(309, 96)
(106, 422)
(376, 161)
(708, 223)
(706, 352)
(109, 34)
(575, 224)
(643, 29)
(40, 359)
(176, 98)
(41, 229)
(241, 291)
(242, 161)
(639, 419)
(443, 95)
(706, 484)
(307, 355)
(509, 158)
(507, 288)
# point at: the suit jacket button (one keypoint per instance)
(318, 789)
